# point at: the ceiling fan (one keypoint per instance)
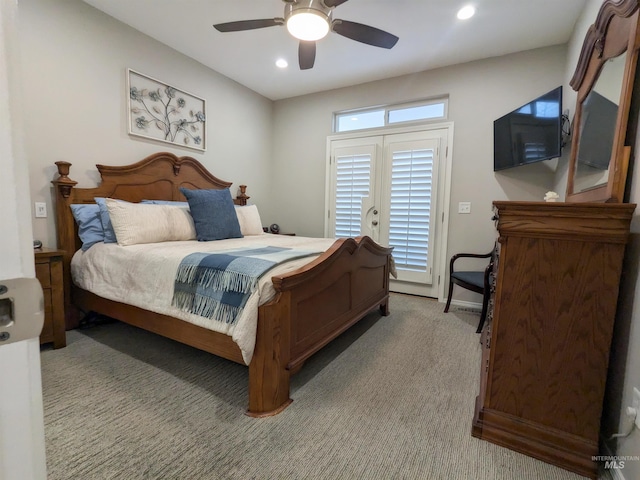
(311, 20)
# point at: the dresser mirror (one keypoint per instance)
(598, 126)
(604, 81)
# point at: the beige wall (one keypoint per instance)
(74, 61)
(479, 92)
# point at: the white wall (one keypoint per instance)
(22, 449)
(479, 92)
(74, 61)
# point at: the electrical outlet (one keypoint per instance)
(464, 207)
(636, 405)
(41, 210)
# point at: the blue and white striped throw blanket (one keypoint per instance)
(218, 285)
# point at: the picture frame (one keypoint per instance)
(162, 112)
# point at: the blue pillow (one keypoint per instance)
(214, 215)
(89, 224)
(107, 227)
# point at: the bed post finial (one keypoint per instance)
(65, 232)
(63, 182)
(242, 198)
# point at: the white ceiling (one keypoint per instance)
(430, 36)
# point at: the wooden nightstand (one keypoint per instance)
(49, 273)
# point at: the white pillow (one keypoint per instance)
(249, 220)
(135, 223)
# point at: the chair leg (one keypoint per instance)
(446, 307)
(483, 314)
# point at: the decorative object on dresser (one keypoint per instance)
(49, 272)
(161, 112)
(545, 346)
(313, 304)
(476, 281)
(604, 80)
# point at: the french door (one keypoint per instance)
(388, 187)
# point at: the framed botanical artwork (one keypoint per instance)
(162, 112)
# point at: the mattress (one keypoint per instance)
(143, 276)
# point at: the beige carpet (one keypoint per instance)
(390, 399)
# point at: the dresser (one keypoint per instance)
(49, 273)
(545, 346)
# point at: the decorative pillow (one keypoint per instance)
(249, 220)
(136, 223)
(109, 234)
(213, 214)
(89, 224)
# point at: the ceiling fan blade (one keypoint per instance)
(364, 33)
(248, 24)
(334, 3)
(306, 54)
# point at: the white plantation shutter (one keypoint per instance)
(410, 209)
(386, 187)
(353, 176)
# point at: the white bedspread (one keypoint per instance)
(144, 275)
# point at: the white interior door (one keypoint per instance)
(387, 187)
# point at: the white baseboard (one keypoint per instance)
(470, 305)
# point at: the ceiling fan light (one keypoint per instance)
(307, 25)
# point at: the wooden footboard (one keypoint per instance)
(313, 304)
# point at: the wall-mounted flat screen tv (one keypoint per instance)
(531, 133)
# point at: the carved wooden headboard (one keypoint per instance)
(157, 177)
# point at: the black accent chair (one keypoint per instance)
(476, 281)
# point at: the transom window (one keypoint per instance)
(375, 117)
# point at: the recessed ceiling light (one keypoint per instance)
(466, 12)
(282, 63)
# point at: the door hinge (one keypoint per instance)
(328, 213)
(438, 279)
(446, 151)
(442, 217)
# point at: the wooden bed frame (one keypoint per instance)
(313, 305)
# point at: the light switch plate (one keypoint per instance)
(464, 207)
(41, 210)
